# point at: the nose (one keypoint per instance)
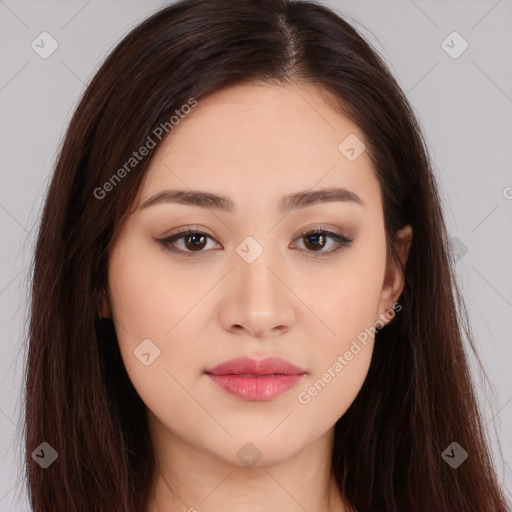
(258, 301)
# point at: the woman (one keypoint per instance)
(266, 371)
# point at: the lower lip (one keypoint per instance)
(262, 387)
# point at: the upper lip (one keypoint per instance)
(247, 365)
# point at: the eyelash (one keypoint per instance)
(168, 242)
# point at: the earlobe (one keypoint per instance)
(394, 278)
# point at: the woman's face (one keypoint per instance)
(251, 284)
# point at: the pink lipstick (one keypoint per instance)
(256, 379)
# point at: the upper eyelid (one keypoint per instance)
(196, 228)
(201, 231)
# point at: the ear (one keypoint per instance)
(394, 278)
(104, 304)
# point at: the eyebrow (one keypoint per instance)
(292, 201)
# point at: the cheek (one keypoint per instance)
(330, 391)
(348, 299)
(341, 356)
(153, 298)
(154, 314)
(348, 305)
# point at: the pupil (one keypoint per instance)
(193, 237)
(316, 239)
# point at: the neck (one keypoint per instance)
(188, 479)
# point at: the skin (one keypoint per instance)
(253, 143)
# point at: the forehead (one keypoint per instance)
(260, 140)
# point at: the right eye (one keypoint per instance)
(194, 241)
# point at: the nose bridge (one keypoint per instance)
(258, 265)
(260, 301)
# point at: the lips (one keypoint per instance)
(256, 379)
(249, 366)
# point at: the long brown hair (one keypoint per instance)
(418, 396)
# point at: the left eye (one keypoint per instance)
(195, 241)
(319, 237)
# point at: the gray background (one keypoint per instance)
(464, 105)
